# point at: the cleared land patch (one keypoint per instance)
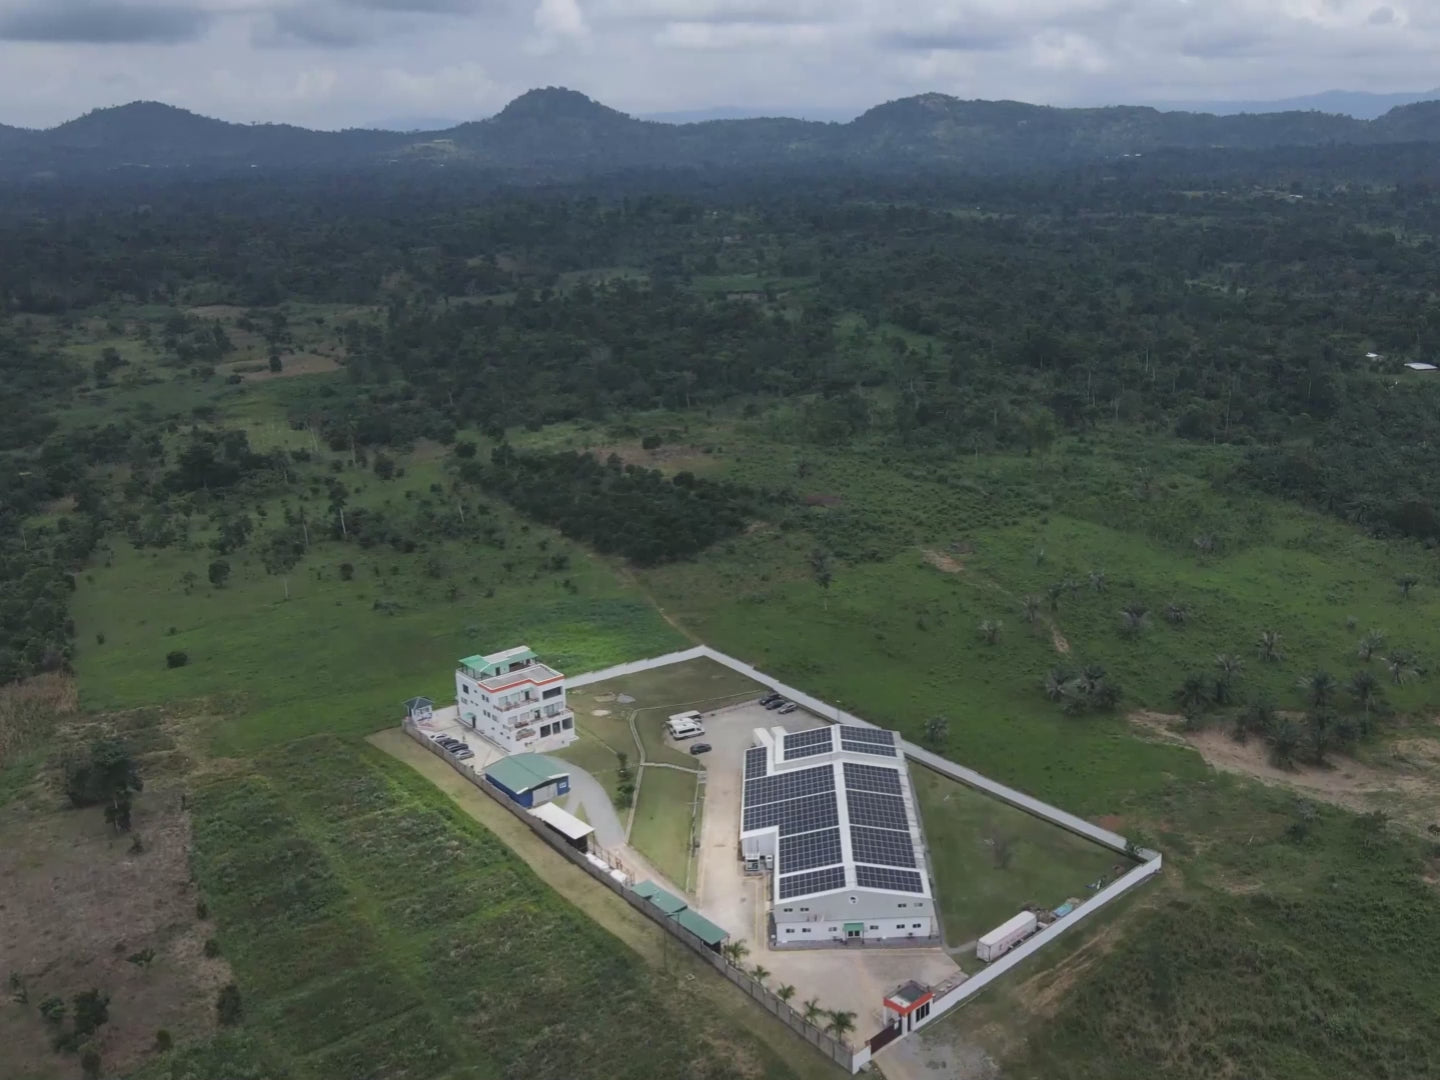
(664, 816)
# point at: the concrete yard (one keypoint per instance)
(846, 978)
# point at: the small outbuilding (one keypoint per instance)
(712, 935)
(560, 820)
(1416, 365)
(418, 709)
(529, 780)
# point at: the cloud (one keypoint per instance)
(560, 18)
(721, 11)
(308, 27)
(423, 7)
(103, 22)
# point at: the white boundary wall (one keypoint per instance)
(1150, 866)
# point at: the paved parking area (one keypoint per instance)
(850, 979)
(447, 722)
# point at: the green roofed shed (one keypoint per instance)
(701, 927)
(646, 889)
(671, 905)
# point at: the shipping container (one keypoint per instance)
(1006, 936)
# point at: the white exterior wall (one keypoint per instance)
(887, 917)
(479, 710)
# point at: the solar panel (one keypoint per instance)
(884, 846)
(803, 744)
(789, 785)
(867, 748)
(878, 736)
(794, 815)
(757, 762)
(878, 811)
(880, 877)
(809, 850)
(871, 778)
(812, 881)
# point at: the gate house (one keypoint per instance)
(529, 779)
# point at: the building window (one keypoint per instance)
(553, 692)
(567, 723)
(915, 926)
(853, 900)
(465, 687)
(902, 905)
(874, 928)
(804, 929)
(804, 909)
(788, 909)
(922, 1012)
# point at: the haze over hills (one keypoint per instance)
(562, 132)
(1358, 104)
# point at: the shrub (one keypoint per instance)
(228, 1009)
(347, 571)
(163, 1041)
(177, 658)
(202, 909)
(90, 1062)
(212, 947)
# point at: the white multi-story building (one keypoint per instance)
(514, 701)
(830, 812)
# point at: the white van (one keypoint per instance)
(685, 725)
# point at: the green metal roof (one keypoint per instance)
(669, 904)
(521, 772)
(489, 665)
(701, 927)
(646, 889)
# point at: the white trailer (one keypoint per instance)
(685, 725)
(1006, 936)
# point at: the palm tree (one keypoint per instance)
(1365, 689)
(1193, 693)
(1406, 583)
(760, 973)
(1284, 742)
(1401, 665)
(735, 951)
(1056, 681)
(937, 729)
(1204, 543)
(813, 1011)
(1318, 687)
(1230, 665)
(1030, 607)
(1370, 643)
(785, 992)
(1257, 718)
(1176, 613)
(990, 630)
(1270, 650)
(1132, 619)
(1097, 580)
(1053, 592)
(841, 1023)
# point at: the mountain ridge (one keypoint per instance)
(557, 129)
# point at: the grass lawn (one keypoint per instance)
(663, 816)
(962, 826)
(375, 931)
(597, 759)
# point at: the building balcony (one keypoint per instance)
(535, 672)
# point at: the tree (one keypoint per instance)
(177, 658)
(228, 1007)
(219, 573)
(785, 992)
(841, 1023)
(384, 466)
(163, 1041)
(90, 1009)
(1257, 718)
(1133, 618)
(1285, 742)
(1176, 613)
(90, 1063)
(1370, 643)
(53, 1010)
(1318, 687)
(937, 730)
(813, 1011)
(1367, 692)
(1402, 666)
(824, 575)
(1270, 650)
(347, 571)
(276, 364)
(1030, 607)
(1407, 583)
(990, 630)
(760, 973)
(1194, 693)
(1098, 581)
(464, 450)
(109, 776)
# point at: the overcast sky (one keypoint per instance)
(331, 63)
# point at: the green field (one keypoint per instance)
(377, 933)
(662, 827)
(990, 860)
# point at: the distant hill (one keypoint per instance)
(561, 132)
(1358, 104)
(737, 112)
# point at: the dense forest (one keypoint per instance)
(1221, 298)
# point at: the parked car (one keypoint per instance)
(776, 703)
(789, 708)
(464, 753)
(700, 748)
(768, 698)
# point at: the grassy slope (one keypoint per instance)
(309, 864)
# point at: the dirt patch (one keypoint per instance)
(307, 363)
(1060, 641)
(216, 311)
(599, 712)
(821, 500)
(1404, 780)
(1113, 822)
(29, 710)
(946, 564)
(77, 905)
(668, 458)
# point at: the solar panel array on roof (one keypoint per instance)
(795, 815)
(850, 746)
(880, 877)
(802, 744)
(877, 811)
(872, 778)
(888, 847)
(757, 762)
(852, 733)
(809, 850)
(812, 881)
(789, 785)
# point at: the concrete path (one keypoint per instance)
(588, 792)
